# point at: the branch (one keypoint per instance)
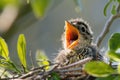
(118, 8)
(80, 62)
(41, 73)
(107, 26)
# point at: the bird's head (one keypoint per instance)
(77, 34)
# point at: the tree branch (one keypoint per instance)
(80, 62)
(41, 73)
(118, 9)
(107, 26)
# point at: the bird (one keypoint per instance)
(77, 41)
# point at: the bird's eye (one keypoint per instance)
(83, 29)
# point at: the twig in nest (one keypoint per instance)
(81, 62)
(31, 73)
(31, 58)
(69, 70)
(3, 73)
(68, 75)
(107, 26)
(43, 74)
(37, 71)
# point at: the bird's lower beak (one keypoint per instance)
(71, 35)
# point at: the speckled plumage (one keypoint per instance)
(84, 47)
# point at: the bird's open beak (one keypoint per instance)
(71, 35)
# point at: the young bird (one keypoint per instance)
(77, 43)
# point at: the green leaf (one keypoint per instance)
(3, 3)
(21, 48)
(54, 76)
(117, 77)
(98, 69)
(114, 45)
(106, 7)
(113, 11)
(39, 7)
(106, 78)
(8, 65)
(4, 49)
(5, 64)
(42, 59)
(114, 56)
(118, 68)
(118, 1)
(114, 42)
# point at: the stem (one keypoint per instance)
(14, 66)
(81, 62)
(107, 26)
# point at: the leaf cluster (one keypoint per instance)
(104, 70)
(7, 66)
(39, 7)
(6, 62)
(114, 4)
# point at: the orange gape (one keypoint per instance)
(71, 35)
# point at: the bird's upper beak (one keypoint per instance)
(71, 35)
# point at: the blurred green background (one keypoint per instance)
(42, 22)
